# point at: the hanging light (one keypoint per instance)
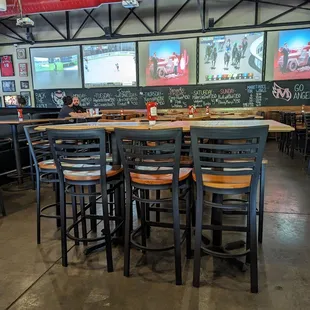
(2, 5)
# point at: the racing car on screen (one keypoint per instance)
(296, 59)
(164, 68)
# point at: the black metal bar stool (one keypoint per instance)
(45, 173)
(83, 172)
(220, 169)
(151, 161)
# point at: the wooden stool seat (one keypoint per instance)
(225, 182)
(159, 179)
(47, 164)
(186, 161)
(93, 175)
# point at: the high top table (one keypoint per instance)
(13, 124)
(274, 126)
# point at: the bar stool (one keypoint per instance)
(45, 173)
(151, 161)
(213, 174)
(83, 172)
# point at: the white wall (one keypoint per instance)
(189, 19)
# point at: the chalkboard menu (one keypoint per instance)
(111, 98)
(241, 95)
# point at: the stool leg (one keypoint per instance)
(198, 232)
(2, 209)
(143, 220)
(57, 203)
(119, 206)
(63, 221)
(261, 204)
(188, 222)
(138, 206)
(38, 198)
(177, 233)
(31, 171)
(293, 142)
(158, 206)
(107, 231)
(128, 224)
(253, 244)
(111, 204)
(83, 220)
(92, 209)
(147, 213)
(74, 215)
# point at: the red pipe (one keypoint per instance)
(45, 6)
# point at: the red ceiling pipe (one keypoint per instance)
(45, 6)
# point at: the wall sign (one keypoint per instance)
(7, 68)
(23, 69)
(27, 96)
(21, 53)
(8, 86)
(24, 84)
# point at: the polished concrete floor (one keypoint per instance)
(32, 276)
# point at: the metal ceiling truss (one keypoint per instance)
(109, 33)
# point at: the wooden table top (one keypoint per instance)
(32, 121)
(109, 126)
(195, 117)
(274, 126)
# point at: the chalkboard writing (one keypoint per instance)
(158, 95)
(109, 98)
(246, 95)
(126, 98)
(179, 97)
(105, 100)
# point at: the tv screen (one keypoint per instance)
(169, 62)
(10, 101)
(288, 55)
(110, 65)
(56, 67)
(231, 58)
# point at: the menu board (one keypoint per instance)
(113, 98)
(245, 95)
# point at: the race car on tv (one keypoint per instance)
(296, 59)
(164, 67)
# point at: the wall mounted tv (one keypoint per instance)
(288, 55)
(56, 67)
(107, 65)
(169, 62)
(231, 58)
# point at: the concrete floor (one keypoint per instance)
(32, 276)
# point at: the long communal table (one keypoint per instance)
(274, 126)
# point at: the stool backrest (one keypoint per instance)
(307, 121)
(79, 152)
(150, 152)
(215, 154)
(38, 144)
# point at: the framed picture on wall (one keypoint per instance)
(8, 86)
(7, 67)
(23, 69)
(21, 53)
(24, 84)
(27, 96)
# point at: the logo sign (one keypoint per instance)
(57, 98)
(281, 93)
